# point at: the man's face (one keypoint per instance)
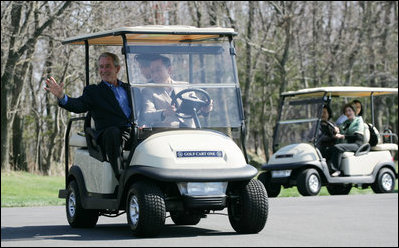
(146, 71)
(108, 71)
(159, 72)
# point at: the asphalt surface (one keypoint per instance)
(353, 220)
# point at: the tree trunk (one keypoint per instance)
(213, 13)
(18, 147)
(12, 59)
(287, 23)
(248, 66)
(194, 7)
(384, 55)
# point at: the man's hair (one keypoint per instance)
(146, 59)
(165, 60)
(112, 56)
(143, 59)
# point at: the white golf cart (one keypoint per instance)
(186, 171)
(296, 160)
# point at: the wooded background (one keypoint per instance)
(281, 45)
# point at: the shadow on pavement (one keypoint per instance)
(100, 232)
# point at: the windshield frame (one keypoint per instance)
(318, 101)
(221, 43)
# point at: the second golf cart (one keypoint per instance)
(296, 160)
(185, 170)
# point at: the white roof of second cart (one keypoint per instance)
(342, 91)
(161, 33)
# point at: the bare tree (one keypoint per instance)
(16, 51)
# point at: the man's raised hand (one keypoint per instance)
(55, 88)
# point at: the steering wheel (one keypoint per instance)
(191, 104)
(330, 126)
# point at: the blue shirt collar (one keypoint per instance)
(111, 85)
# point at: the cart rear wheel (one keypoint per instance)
(385, 181)
(185, 218)
(78, 216)
(339, 189)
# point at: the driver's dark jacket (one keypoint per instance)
(326, 137)
(104, 107)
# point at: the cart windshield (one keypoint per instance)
(188, 76)
(298, 121)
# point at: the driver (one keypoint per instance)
(328, 130)
(158, 109)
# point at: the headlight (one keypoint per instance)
(201, 189)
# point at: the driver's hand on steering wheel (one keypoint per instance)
(169, 111)
(208, 108)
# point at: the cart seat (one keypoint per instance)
(78, 140)
(363, 149)
(385, 147)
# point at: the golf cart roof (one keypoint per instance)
(342, 91)
(166, 34)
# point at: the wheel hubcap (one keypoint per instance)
(72, 204)
(386, 182)
(134, 211)
(314, 183)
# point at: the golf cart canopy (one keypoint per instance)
(164, 34)
(342, 91)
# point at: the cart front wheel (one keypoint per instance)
(308, 182)
(145, 209)
(248, 207)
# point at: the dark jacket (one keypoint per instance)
(104, 107)
(327, 133)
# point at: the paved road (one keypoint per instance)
(354, 220)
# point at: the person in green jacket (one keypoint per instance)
(351, 137)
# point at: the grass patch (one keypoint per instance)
(293, 192)
(22, 189)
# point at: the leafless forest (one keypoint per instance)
(281, 45)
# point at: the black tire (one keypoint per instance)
(308, 182)
(339, 189)
(185, 218)
(248, 207)
(77, 216)
(145, 209)
(385, 181)
(273, 189)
